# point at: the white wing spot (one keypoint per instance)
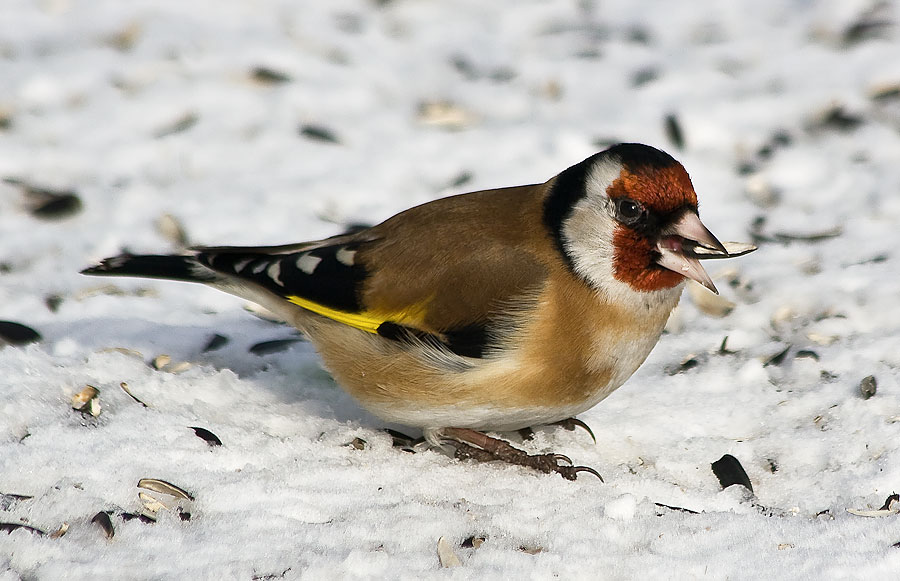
(260, 266)
(345, 257)
(241, 264)
(308, 263)
(274, 272)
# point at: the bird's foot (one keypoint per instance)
(474, 445)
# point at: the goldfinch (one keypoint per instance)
(494, 310)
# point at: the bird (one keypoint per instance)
(490, 311)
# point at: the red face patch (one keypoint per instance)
(659, 190)
(633, 263)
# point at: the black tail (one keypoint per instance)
(172, 267)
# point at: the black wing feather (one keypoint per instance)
(317, 275)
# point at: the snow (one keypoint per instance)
(149, 108)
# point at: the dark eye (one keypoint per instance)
(629, 211)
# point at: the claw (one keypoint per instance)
(561, 458)
(571, 423)
(589, 470)
(571, 472)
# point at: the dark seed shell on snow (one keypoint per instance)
(473, 542)
(275, 346)
(357, 444)
(217, 341)
(730, 472)
(868, 386)
(47, 203)
(319, 133)
(207, 436)
(9, 527)
(12, 333)
(268, 76)
(674, 131)
(102, 520)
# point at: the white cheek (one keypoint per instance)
(588, 233)
(588, 237)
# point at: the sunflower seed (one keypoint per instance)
(732, 250)
(12, 333)
(711, 304)
(274, 346)
(104, 522)
(688, 363)
(217, 341)
(209, 437)
(872, 23)
(834, 117)
(127, 390)
(885, 92)
(87, 401)
(179, 125)
(871, 513)
(127, 516)
(172, 230)
(473, 542)
(164, 487)
(892, 502)
(53, 302)
(319, 133)
(151, 504)
(9, 527)
(7, 500)
(868, 386)
(268, 76)
(123, 351)
(161, 361)
(674, 131)
(819, 236)
(62, 530)
(446, 555)
(730, 472)
(165, 363)
(357, 444)
(445, 115)
(778, 358)
(48, 203)
(676, 508)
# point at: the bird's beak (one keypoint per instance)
(676, 249)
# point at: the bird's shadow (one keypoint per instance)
(253, 349)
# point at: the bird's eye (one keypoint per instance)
(629, 211)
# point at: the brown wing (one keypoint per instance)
(446, 268)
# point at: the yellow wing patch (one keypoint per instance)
(368, 321)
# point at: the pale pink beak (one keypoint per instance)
(676, 245)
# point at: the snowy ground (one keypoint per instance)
(271, 121)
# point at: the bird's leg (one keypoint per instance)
(479, 446)
(572, 423)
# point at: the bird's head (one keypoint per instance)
(626, 218)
